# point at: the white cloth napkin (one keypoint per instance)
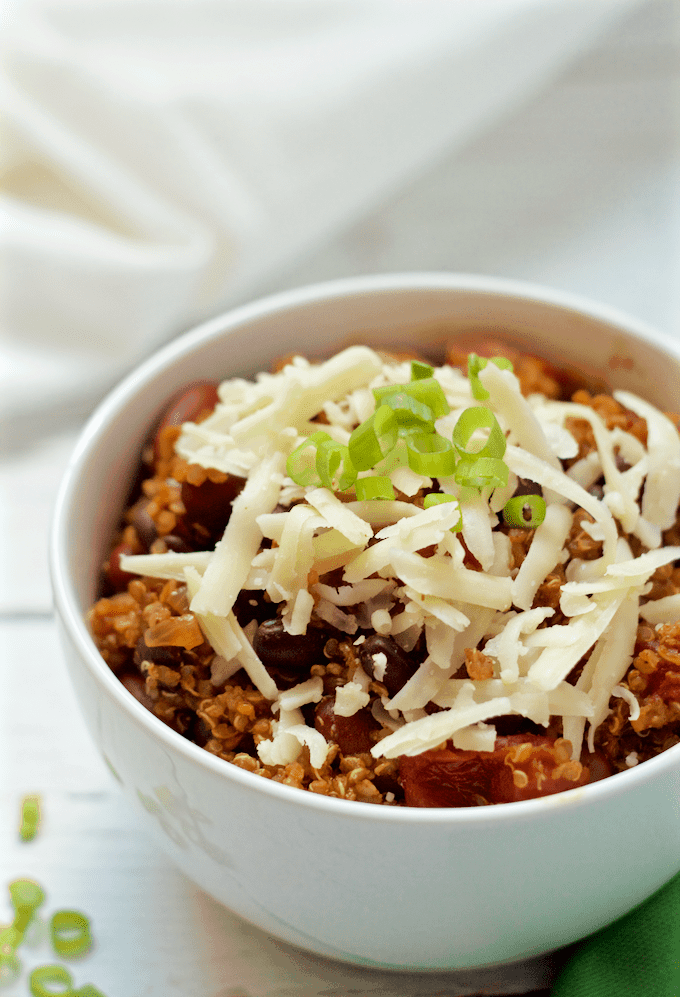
(162, 157)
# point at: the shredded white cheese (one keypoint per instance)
(542, 556)
(405, 573)
(229, 566)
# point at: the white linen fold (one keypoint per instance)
(162, 157)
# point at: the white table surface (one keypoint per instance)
(579, 190)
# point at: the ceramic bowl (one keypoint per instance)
(387, 887)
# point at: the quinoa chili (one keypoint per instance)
(382, 581)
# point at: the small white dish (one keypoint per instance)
(388, 887)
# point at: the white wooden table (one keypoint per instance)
(579, 189)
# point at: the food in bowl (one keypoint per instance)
(415, 586)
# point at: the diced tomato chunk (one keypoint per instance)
(521, 767)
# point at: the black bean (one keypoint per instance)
(178, 544)
(400, 665)
(200, 731)
(290, 652)
(527, 487)
(597, 489)
(512, 724)
(136, 686)
(182, 721)
(169, 656)
(251, 605)
(143, 523)
(351, 734)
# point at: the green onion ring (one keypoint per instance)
(410, 412)
(26, 897)
(430, 454)
(482, 472)
(10, 968)
(468, 423)
(437, 498)
(514, 511)
(87, 990)
(70, 933)
(301, 464)
(53, 975)
(475, 364)
(373, 439)
(10, 939)
(377, 486)
(420, 371)
(30, 818)
(428, 390)
(334, 466)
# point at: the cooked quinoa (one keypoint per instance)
(394, 650)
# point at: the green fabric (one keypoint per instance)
(637, 956)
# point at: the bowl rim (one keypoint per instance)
(72, 618)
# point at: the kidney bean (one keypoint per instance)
(208, 506)
(189, 405)
(291, 652)
(118, 579)
(400, 665)
(351, 734)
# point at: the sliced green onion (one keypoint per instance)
(334, 466)
(475, 364)
(301, 464)
(10, 939)
(481, 472)
(430, 454)
(437, 498)
(373, 439)
(44, 979)
(378, 486)
(87, 990)
(70, 933)
(410, 412)
(525, 510)
(427, 390)
(10, 968)
(468, 423)
(26, 895)
(420, 371)
(30, 818)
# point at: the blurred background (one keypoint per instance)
(163, 160)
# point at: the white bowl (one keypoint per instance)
(379, 886)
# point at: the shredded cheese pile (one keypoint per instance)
(391, 588)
